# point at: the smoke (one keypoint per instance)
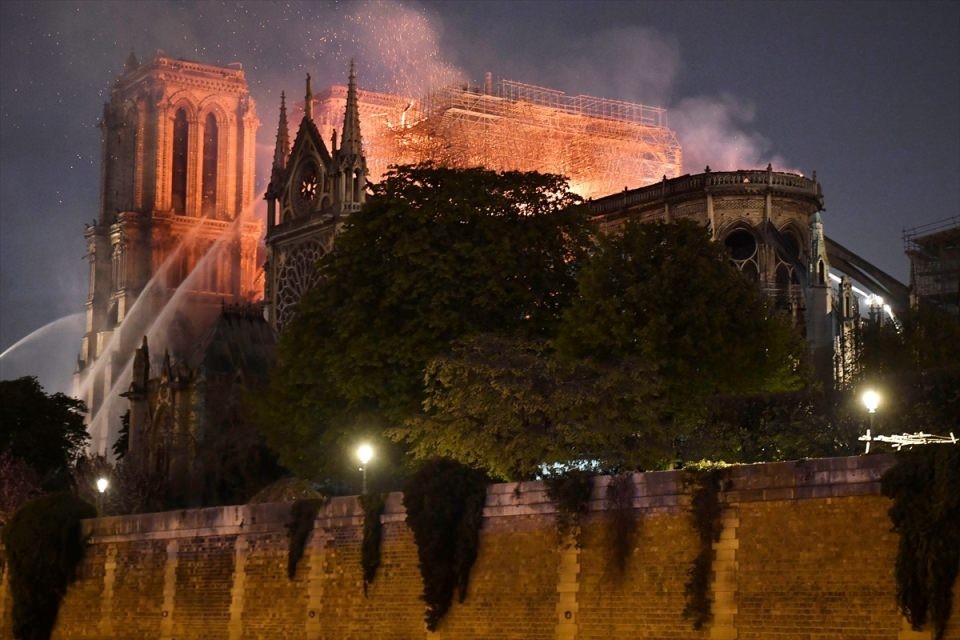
(632, 63)
(636, 63)
(716, 131)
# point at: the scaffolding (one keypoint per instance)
(934, 252)
(601, 145)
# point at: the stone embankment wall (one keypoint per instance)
(806, 552)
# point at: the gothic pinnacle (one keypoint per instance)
(350, 143)
(283, 140)
(308, 101)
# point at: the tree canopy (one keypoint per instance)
(510, 408)
(473, 314)
(437, 254)
(664, 293)
(44, 431)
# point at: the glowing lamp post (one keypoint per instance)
(102, 484)
(364, 455)
(871, 400)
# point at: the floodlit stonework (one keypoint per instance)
(177, 188)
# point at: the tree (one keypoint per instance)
(45, 431)
(18, 484)
(510, 408)
(666, 295)
(436, 255)
(916, 368)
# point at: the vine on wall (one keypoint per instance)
(44, 548)
(570, 491)
(705, 481)
(373, 505)
(444, 501)
(623, 519)
(925, 488)
(302, 515)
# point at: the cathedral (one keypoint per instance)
(175, 322)
(182, 320)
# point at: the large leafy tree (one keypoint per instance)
(436, 255)
(510, 408)
(665, 294)
(44, 431)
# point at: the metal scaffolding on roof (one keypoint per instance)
(601, 145)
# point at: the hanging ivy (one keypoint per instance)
(570, 491)
(623, 519)
(44, 547)
(925, 487)
(303, 513)
(373, 505)
(444, 502)
(704, 481)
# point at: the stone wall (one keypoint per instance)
(806, 552)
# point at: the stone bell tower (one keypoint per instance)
(177, 187)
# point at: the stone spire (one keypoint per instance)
(819, 265)
(132, 62)
(350, 143)
(282, 149)
(308, 101)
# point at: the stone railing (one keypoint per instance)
(725, 181)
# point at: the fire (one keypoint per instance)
(602, 146)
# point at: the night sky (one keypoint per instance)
(867, 94)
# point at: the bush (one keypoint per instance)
(444, 501)
(571, 491)
(373, 505)
(705, 480)
(925, 488)
(303, 513)
(44, 548)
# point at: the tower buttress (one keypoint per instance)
(820, 315)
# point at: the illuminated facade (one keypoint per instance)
(312, 189)
(177, 180)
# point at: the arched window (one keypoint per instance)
(178, 191)
(209, 198)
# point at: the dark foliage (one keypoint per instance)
(18, 485)
(373, 505)
(122, 444)
(570, 491)
(303, 513)
(776, 426)
(437, 254)
(705, 484)
(509, 407)
(623, 519)
(45, 431)
(44, 547)
(925, 488)
(709, 334)
(444, 502)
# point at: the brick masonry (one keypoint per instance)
(806, 553)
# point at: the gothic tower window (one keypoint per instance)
(209, 206)
(179, 186)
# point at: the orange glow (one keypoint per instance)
(602, 146)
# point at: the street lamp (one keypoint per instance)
(364, 454)
(102, 484)
(871, 400)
